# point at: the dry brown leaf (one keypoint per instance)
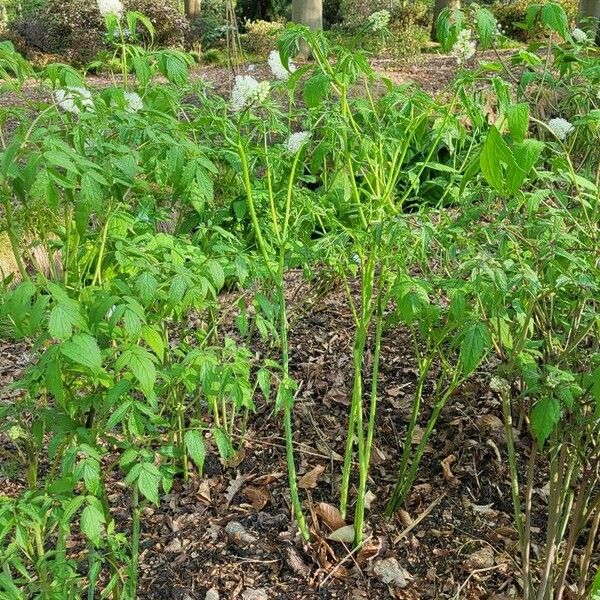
(448, 474)
(234, 487)
(481, 559)
(296, 563)
(330, 515)
(405, 518)
(259, 497)
(309, 480)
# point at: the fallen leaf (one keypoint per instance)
(234, 487)
(239, 534)
(405, 518)
(295, 562)
(330, 515)
(447, 471)
(390, 572)
(309, 480)
(481, 559)
(343, 534)
(369, 499)
(259, 497)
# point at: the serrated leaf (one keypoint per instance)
(475, 343)
(92, 523)
(544, 418)
(148, 481)
(195, 447)
(83, 349)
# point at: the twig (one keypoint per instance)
(420, 518)
(343, 560)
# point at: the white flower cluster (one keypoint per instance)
(277, 67)
(247, 91)
(579, 35)
(110, 7)
(560, 127)
(74, 99)
(133, 101)
(464, 47)
(500, 31)
(379, 20)
(296, 140)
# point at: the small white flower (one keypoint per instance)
(110, 7)
(579, 35)
(133, 101)
(277, 66)
(251, 68)
(560, 127)
(379, 20)
(296, 140)
(74, 99)
(247, 91)
(464, 47)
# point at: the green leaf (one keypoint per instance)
(91, 523)
(553, 16)
(224, 444)
(476, 342)
(62, 319)
(195, 448)
(264, 382)
(495, 157)
(140, 363)
(544, 418)
(83, 349)
(316, 88)
(146, 285)
(148, 481)
(518, 120)
(154, 339)
(486, 26)
(216, 273)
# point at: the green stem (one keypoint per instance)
(365, 459)
(135, 540)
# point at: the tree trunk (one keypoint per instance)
(193, 8)
(438, 7)
(590, 8)
(309, 13)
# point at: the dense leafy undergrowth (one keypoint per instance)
(470, 219)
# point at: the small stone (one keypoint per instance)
(173, 546)
(390, 572)
(212, 594)
(258, 594)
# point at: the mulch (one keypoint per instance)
(231, 531)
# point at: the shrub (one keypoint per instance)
(511, 14)
(76, 30)
(169, 23)
(261, 36)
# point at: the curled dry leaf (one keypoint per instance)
(330, 515)
(310, 479)
(448, 474)
(343, 534)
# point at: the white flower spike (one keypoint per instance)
(296, 140)
(111, 7)
(379, 20)
(579, 35)
(277, 67)
(464, 47)
(561, 128)
(247, 91)
(133, 102)
(74, 99)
